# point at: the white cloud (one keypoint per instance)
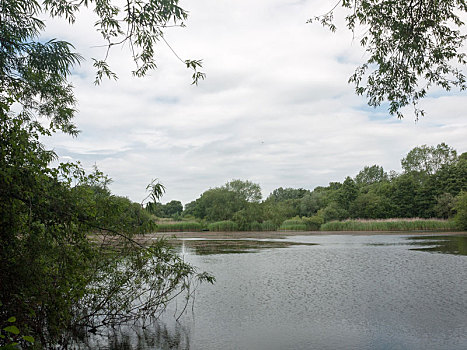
(275, 107)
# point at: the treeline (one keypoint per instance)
(433, 184)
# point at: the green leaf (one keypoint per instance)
(11, 329)
(28, 338)
(12, 319)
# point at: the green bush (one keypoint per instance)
(313, 223)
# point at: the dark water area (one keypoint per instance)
(318, 292)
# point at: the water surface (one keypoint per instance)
(320, 292)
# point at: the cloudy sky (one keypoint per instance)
(275, 107)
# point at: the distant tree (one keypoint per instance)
(371, 174)
(282, 194)
(444, 207)
(371, 206)
(347, 193)
(172, 208)
(429, 159)
(333, 212)
(403, 191)
(411, 46)
(461, 211)
(249, 191)
(310, 203)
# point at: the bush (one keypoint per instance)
(313, 223)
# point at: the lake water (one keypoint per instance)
(343, 292)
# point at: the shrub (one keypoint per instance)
(313, 223)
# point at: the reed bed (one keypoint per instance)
(390, 225)
(293, 225)
(179, 227)
(222, 226)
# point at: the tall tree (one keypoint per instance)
(249, 191)
(371, 174)
(429, 159)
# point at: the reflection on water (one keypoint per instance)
(335, 292)
(447, 244)
(155, 335)
(233, 246)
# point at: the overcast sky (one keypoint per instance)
(275, 107)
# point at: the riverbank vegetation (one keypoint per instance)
(432, 187)
(68, 262)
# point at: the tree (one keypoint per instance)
(347, 193)
(55, 278)
(412, 46)
(172, 208)
(282, 194)
(247, 190)
(429, 159)
(461, 211)
(371, 174)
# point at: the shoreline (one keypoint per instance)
(284, 234)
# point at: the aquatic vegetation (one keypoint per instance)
(390, 225)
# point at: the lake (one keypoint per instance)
(319, 292)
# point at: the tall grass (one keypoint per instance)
(293, 225)
(390, 225)
(179, 226)
(226, 225)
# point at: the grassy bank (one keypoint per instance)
(390, 225)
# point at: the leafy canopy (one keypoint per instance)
(412, 47)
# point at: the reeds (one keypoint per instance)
(390, 225)
(179, 226)
(293, 225)
(226, 225)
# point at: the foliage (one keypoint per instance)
(389, 225)
(313, 223)
(429, 159)
(461, 211)
(281, 194)
(171, 209)
(444, 207)
(433, 176)
(156, 191)
(183, 226)
(54, 278)
(225, 225)
(333, 212)
(370, 175)
(246, 190)
(412, 46)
